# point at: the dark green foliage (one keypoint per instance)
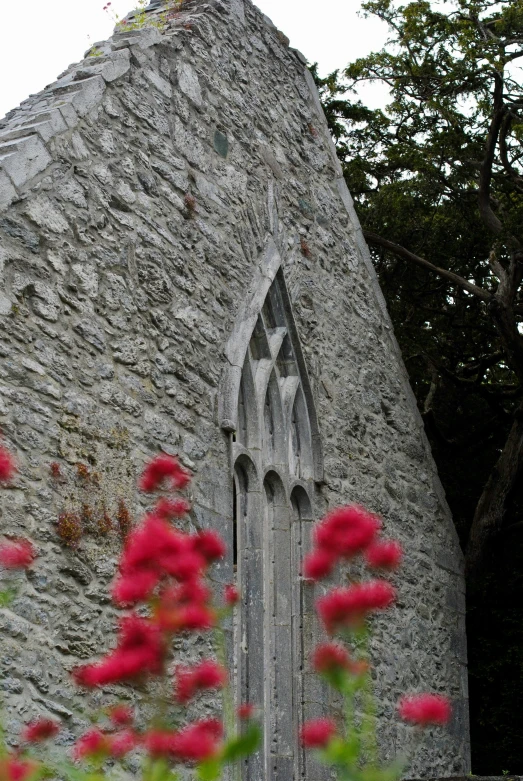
(495, 629)
(439, 173)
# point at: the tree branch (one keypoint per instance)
(492, 506)
(503, 152)
(485, 173)
(397, 249)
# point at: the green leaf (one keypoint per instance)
(244, 744)
(341, 752)
(209, 770)
(6, 597)
(159, 770)
(72, 773)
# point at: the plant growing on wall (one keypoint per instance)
(349, 744)
(161, 583)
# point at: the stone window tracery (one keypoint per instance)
(268, 413)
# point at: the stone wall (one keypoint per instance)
(138, 195)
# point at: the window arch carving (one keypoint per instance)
(266, 408)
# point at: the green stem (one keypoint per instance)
(228, 700)
(369, 721)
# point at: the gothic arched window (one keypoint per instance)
(267, 410)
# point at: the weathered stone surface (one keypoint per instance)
(158, 194)
(24, 158)
(7, 191)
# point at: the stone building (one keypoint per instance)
(182, 270)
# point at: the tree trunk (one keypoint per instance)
(492, 505)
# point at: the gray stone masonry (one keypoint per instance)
(167, 210)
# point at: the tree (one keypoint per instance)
(438, 183)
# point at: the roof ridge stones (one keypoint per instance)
(26, 130)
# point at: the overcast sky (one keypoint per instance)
(40, 38)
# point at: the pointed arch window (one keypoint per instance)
(266, 407)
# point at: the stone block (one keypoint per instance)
(159, 82)
(46, 123)
(24, 158)
(7, 191)
(110, 68)
(83, 95)
(189, 83)
(89, 96)
(42, 212)
(238, 9)
(5, 305)
(116, 68)
(68, 113)
(144, 38)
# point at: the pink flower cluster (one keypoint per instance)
(161, 579)
(140, 651)
(163, 568)
(333, 657)
(349, 607)
(14, 768)
(7, 465)
(425, 709)
(39, 730)
(161, 469)
(196, 742)
(206, 675)
(317, 733)
(343, 534)
(16, 554)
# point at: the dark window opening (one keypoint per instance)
(234, 527)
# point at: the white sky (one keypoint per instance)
(40, 38)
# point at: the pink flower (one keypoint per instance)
(386, 554)
(140, 651)
(98, 744)
(329, 657)
(318, 564)
(210, 545)
(136, 587)
(347, 531)
(245, 711)
(171, 508)
(16, 554)
(39, 730)
(13, 768)
(121, 743)
(198, 741)
(121, 715)
(92, 743)
(175, 615)
(154, 550)
(317, 733)
(231, 595)
(161, 468)
(160, 743)
(184, 566)
(424, 709)
(346, 607)
(194, 617)
(193, 592)
(7, 465)
(206, 675)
